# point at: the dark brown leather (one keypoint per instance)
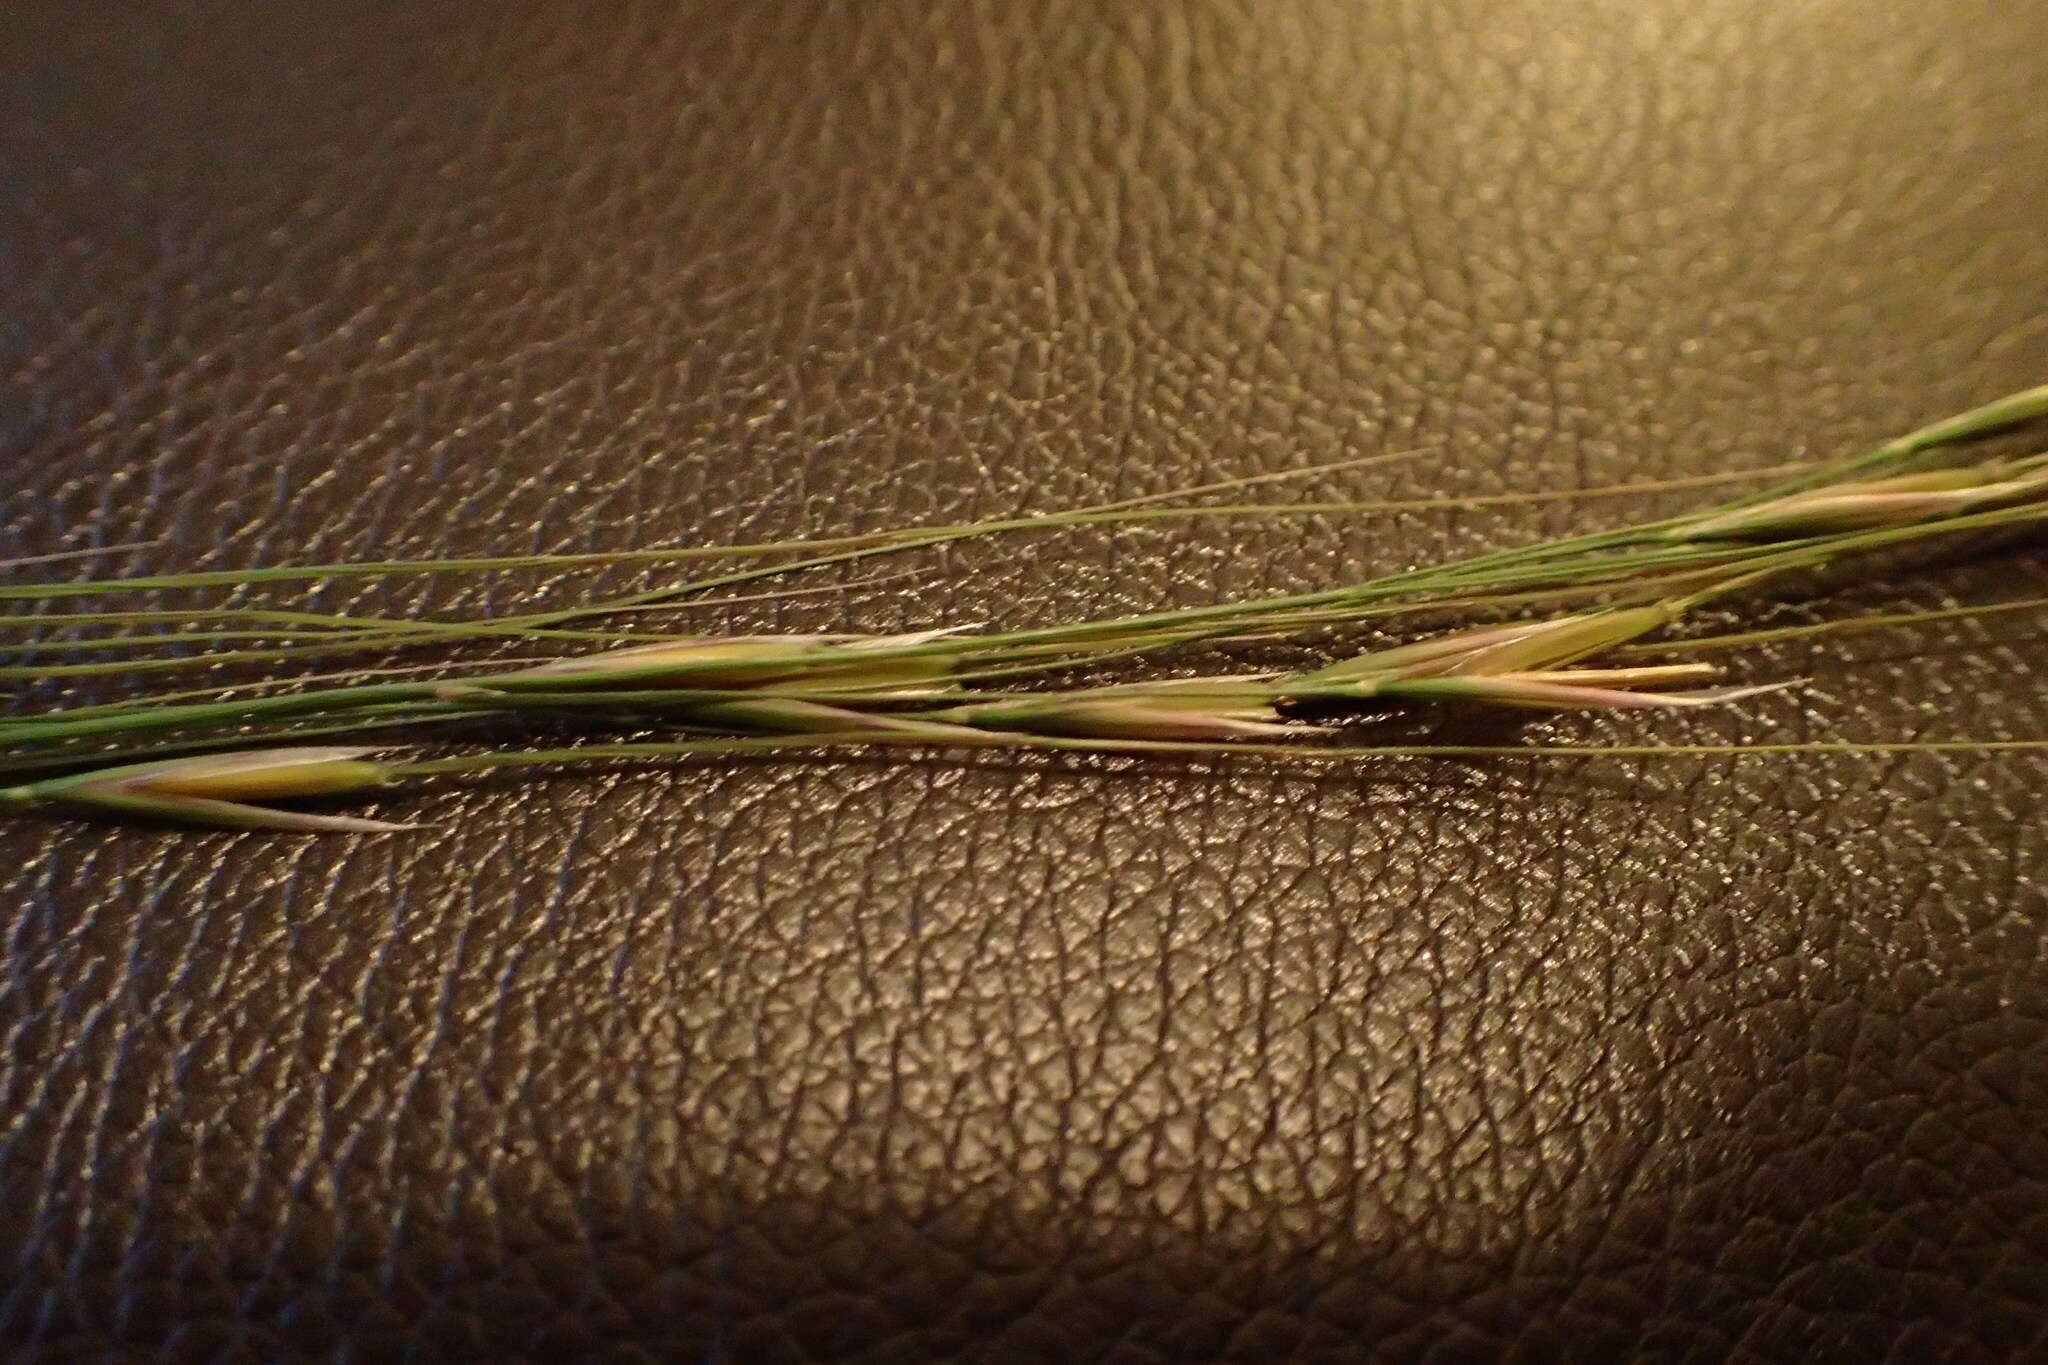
(1003, 1059)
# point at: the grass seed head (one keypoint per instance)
(219, 789)
(1132, 717)
(1518, 648)
(1563, 692)
(1868, 505)
(1566, 640)
(852, 662)
(1423, 658)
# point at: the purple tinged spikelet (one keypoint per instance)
(219, 789)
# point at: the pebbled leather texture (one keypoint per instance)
(1000, 1059)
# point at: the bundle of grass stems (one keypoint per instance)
(1593, 622)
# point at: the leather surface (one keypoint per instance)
(995, 1058)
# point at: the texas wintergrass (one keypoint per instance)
(309, 633)
(837, 667)
(304, 634)
(740, 694)
(1478, 577)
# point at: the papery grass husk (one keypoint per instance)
(225, 790)
(852, 662)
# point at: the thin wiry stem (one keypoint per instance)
(1880, 621)
(342, 622)
(1127, 507)
(1300, 753)
(319, 637)
(72, 556)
